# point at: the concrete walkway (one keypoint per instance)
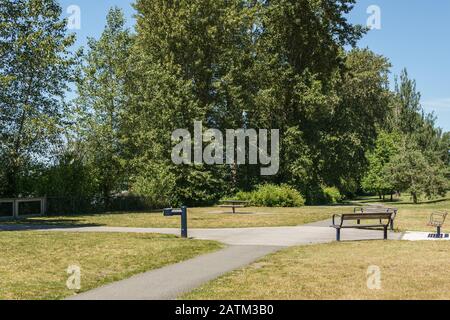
(170, 282)
(268, 236)
(246, 245)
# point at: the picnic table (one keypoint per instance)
(234, 204)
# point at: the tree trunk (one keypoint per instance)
(415, 199)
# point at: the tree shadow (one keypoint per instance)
(28, 224)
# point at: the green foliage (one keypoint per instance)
(269, 195)
(332, 195)
(411, 171)
(324, 195)
(157, 184)
(35, 67)
(284, 62)
(68, 178)
(376, 179)
(101, 104)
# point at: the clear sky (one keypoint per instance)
(414, 34)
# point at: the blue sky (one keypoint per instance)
(414, 34)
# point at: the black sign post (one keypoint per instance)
(170, 212)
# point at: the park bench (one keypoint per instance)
(384, 218)
(233, 204)
(437, 220)
(375, 209)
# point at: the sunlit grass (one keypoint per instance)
(211, 217)
(409, 270)
(33, 265)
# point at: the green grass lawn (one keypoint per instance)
(33, 265)
(411, 217)
(212, 217)
(415, 217)
(409, 270)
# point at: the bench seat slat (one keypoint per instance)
(366, 216)
(232, 206)
(362, 226)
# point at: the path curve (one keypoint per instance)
(245, 245)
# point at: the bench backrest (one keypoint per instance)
(374, 210)
(438, 218)
(367, 216)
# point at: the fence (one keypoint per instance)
(78, 205)
(10, 208)
(16, 207)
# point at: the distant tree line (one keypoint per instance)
(285, 63)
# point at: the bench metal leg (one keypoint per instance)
(439, 231)
(338, 234)
(358, 222)
(392, 225)
(234, 210)
(386, 233)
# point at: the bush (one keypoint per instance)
(269, 195)
(332, 195)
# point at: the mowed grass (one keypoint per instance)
(33, 265)
(409, 270)
(411, 217)
(415, 217)
(212, 217)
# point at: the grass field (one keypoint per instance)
(212, 217)
(33, 265)
(411, 217)
(409, 270)
(414, 217)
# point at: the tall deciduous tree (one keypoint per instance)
(35, 67)
(377, 178)
(102, 102)
(411, 171)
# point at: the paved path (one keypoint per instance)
(171, 281)
(269, 236)
(245, 245)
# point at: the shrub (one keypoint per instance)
(332, 195)
(269, 195)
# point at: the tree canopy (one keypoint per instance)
(282, 64)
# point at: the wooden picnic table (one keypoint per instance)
(234, 204)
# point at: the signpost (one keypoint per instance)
(170, 212)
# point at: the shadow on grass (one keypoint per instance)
(48, 224)
(62, 222)
(401, 201)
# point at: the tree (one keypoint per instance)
(102, 101)
(407, 111)
(35, 67)
(377, 179)
(411, 171)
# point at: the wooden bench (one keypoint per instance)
(384, 219)
(233, 204)
(375, 209)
